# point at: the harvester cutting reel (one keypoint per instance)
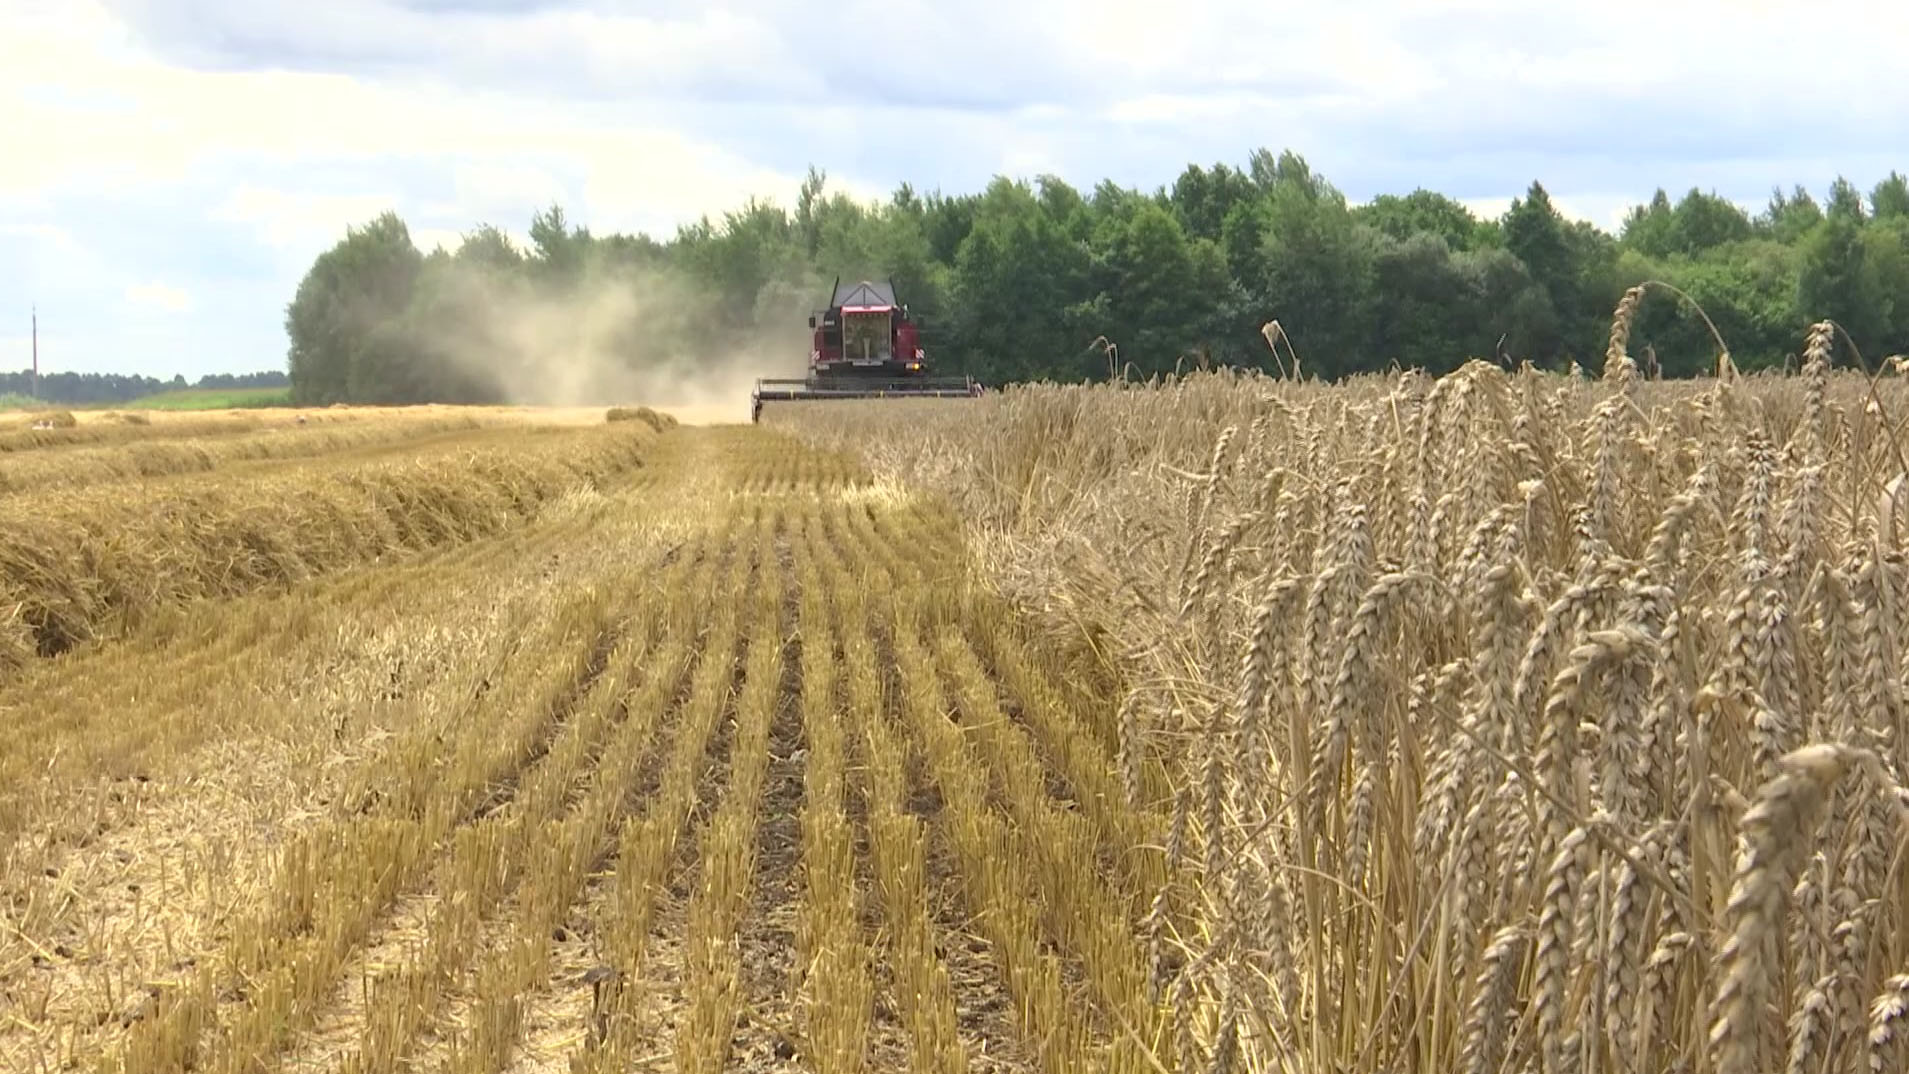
(797, 390)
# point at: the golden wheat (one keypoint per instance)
(1465, 693)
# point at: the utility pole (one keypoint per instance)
(36, 350)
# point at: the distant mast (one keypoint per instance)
(36, 350)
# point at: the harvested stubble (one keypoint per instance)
(837, 991)
(528, 851)
(149, 785)
(727, 850)
(896, 838)
(722, 767)
(79, 467)
(76, 566)
(1499, 721)
(649, 842)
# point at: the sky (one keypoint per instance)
(171, 167)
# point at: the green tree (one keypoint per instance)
(558, 248)
(946, 221)
(1748, 291)
(1016, 275)
(1535, 233)
(1652, 229)
(343, 347)
(1313, 271)
(1427, 311)
(1890, 199)
(1203, 199)
(1575, 264)
(1422, 212)
(1705, 221)
(1789, 217)
(808, 215)
(1845, 202)
(488, 245)
(1834, 279)
(1065, 206)
(1160, 292)
(1886, 262)
(1511, 305)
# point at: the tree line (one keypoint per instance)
(87, 389)
(1030, 280)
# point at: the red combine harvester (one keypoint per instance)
(865, 347)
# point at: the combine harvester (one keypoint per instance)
(865, 347)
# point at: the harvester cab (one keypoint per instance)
(864, 346)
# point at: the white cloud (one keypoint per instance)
(505, 183)
(610, 48)
(298, 220)
(50, 245)
(160, 297)
(1175, 108)
(165, 123)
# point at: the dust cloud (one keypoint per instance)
(626, 338)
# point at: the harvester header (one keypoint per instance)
(864, 346)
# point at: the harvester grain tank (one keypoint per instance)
(864, 346)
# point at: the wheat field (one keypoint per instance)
(1500, 722)
(1508, 721)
